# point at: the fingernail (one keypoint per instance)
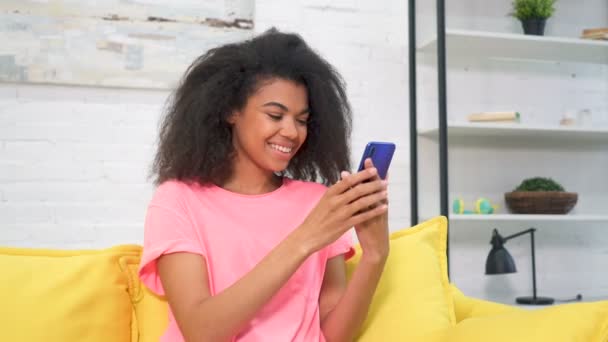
(373, 170)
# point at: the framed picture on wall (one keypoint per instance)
(114, 43)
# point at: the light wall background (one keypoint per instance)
(74, 158)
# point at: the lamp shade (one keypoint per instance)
(500, 261)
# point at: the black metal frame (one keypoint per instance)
(442, 120)
(442, 92)
(413, 111)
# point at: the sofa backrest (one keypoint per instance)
(77, 295)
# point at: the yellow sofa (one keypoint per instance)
(95, 295)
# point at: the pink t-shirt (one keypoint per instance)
(234, 232)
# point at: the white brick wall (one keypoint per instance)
(73, 164)
(74, 160)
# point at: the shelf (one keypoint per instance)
(515, 130)
(526, 217)
(520, 46)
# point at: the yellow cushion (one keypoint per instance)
(152, 316)
(584, 322)
(53, 295)
(413, 300)
(467, 307)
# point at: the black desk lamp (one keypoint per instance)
(500, 261)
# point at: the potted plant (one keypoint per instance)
(533, 14)
(540, 195)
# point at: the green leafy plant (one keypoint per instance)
(533, 9)
(539, 184)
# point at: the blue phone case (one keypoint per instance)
(381, 154)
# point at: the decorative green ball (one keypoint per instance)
(458, 206)
(483, 206)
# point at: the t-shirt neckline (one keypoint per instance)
(284, 182)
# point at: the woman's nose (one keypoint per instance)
(289, 129)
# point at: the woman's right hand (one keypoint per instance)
(344, 205)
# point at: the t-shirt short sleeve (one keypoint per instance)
(167, 229)
(344, 245)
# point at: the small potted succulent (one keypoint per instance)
(539, 195)
(533, 14)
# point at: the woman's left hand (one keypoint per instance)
(373, 234)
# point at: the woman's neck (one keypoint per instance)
(252, 186)
(251, 183)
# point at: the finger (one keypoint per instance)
(385, 201)
(343, 175)
(352, 180)
(367, 215)
(364, 203)
(370, 163)
(361, 190)
(385, 183)
(336, 189)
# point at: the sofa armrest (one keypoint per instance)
(467, 307)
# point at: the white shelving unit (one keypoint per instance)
(529, 218)
(519, 46)
(543, 77)
(517, 130)
(471, 43)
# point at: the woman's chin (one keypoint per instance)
(276, 167)
(279, 161)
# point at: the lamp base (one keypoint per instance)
(535, 301)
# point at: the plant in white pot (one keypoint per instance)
(533, 14)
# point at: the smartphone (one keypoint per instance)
(381, 154)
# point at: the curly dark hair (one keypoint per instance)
(195, 141)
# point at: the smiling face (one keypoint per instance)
(272, 126)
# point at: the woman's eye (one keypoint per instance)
(303, 122)
(275, 117)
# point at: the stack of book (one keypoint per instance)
(596, 33)
(494, 117)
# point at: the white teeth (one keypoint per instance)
(281, 148)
